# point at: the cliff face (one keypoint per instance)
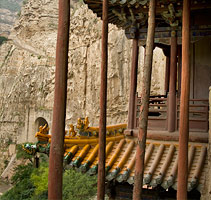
(28, 62)
(9, 10)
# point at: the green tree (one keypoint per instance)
(2, 39)
(39, 177)
(77, 186)
(32, 183)
(23, 187)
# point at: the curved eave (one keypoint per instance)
(161, 158)
(160, 162)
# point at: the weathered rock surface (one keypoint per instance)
(27, 64)
(206, 193)
(9, 10)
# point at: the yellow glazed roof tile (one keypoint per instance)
(161, 159)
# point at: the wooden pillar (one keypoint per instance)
(167, 74)
(103, 105)
(133, 86)
(145, 93)
(184, 105)
(59, 109)
(172, 84)
(179, 69)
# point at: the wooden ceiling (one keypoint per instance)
(131, 15)
(134, 13)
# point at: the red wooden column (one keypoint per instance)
(59, 109)
(145, 92)
(167, 73)
(184, 105)
(133, 86)
(172, 84)
(179, 52)
(103, 105)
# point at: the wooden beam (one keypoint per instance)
(179, 52)
(133, 86)
(184, 105)
(200, 137)
(145, 93)
(59, 108)
(163, 34)
(172, 84)
(103, 105)
(167, 74)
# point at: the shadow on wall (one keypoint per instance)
(40, 121)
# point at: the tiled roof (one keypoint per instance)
(161, 157)
(161, 162)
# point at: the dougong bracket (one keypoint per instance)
(171, 16)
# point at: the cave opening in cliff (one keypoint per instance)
(40, 121)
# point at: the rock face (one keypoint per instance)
(28, 63)
(8, 14)
(206, 193)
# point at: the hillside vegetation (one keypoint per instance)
(32, 183)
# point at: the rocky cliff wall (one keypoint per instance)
(27, 64)
(206, 193)
(9, 11)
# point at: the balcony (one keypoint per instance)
(158, 114)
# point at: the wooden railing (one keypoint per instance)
(157, 118)
(158, 109)
(198, 114)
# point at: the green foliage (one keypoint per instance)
(19, 13)
(23, 188)
(22, 154)
(22, 172)
(39, 177)
(78, 186)
(2, 39)
(6, 162)
(32, 183)
(24, 2)
(9, 141)
(44, 158)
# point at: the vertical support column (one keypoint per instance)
(145, 93)
(184, 105)
(103, 105)
(167, 74)
(172, 84)
(179, 69)
(133, 86)
(59, 109)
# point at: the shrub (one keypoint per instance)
(25, 2)
(32, 183)
(39, 177)
(22, 154)
(23, 188)
(2, 40)
(78, 186)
